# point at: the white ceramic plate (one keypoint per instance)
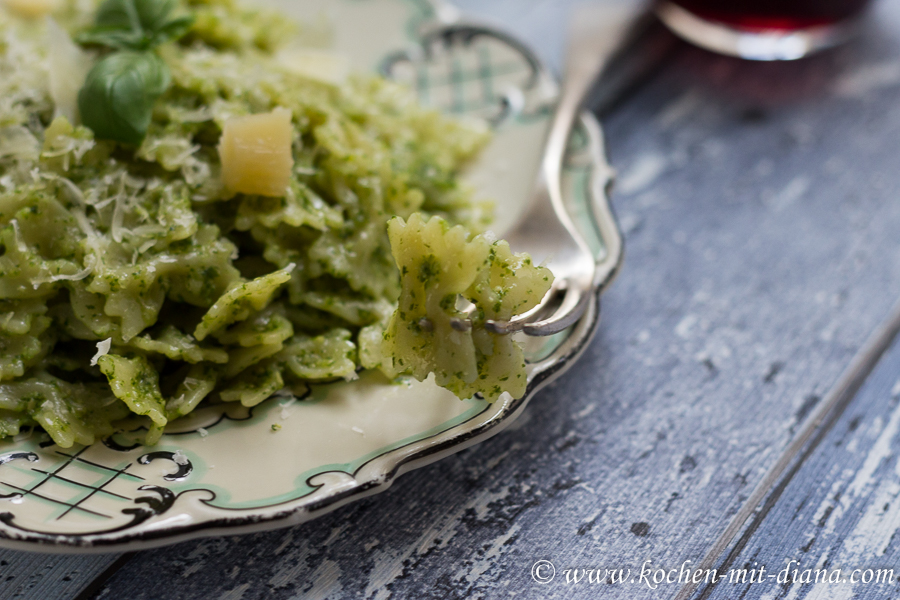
(224, 470)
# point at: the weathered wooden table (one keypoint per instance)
(761, 206)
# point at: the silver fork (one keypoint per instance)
(546, 229)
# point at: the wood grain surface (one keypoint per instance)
(760, 206)
(27, 575)
(833, 531)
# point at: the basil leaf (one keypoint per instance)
(114, 38)
(117, 99)
(173, 30)
(135, 24)
(140, 16)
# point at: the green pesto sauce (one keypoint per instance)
(208, 296)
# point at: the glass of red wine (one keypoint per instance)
(763, 29)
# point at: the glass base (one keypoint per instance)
(761, 44)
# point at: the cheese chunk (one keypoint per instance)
(256, 153)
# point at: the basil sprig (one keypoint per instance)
(118, 95)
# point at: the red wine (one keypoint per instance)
(774, 14)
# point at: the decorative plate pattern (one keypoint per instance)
(226, 469)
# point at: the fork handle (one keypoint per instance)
(592, 49)
(597, 38)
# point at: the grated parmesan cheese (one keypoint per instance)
(83, 274)
(102, 350)
(20, 245)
